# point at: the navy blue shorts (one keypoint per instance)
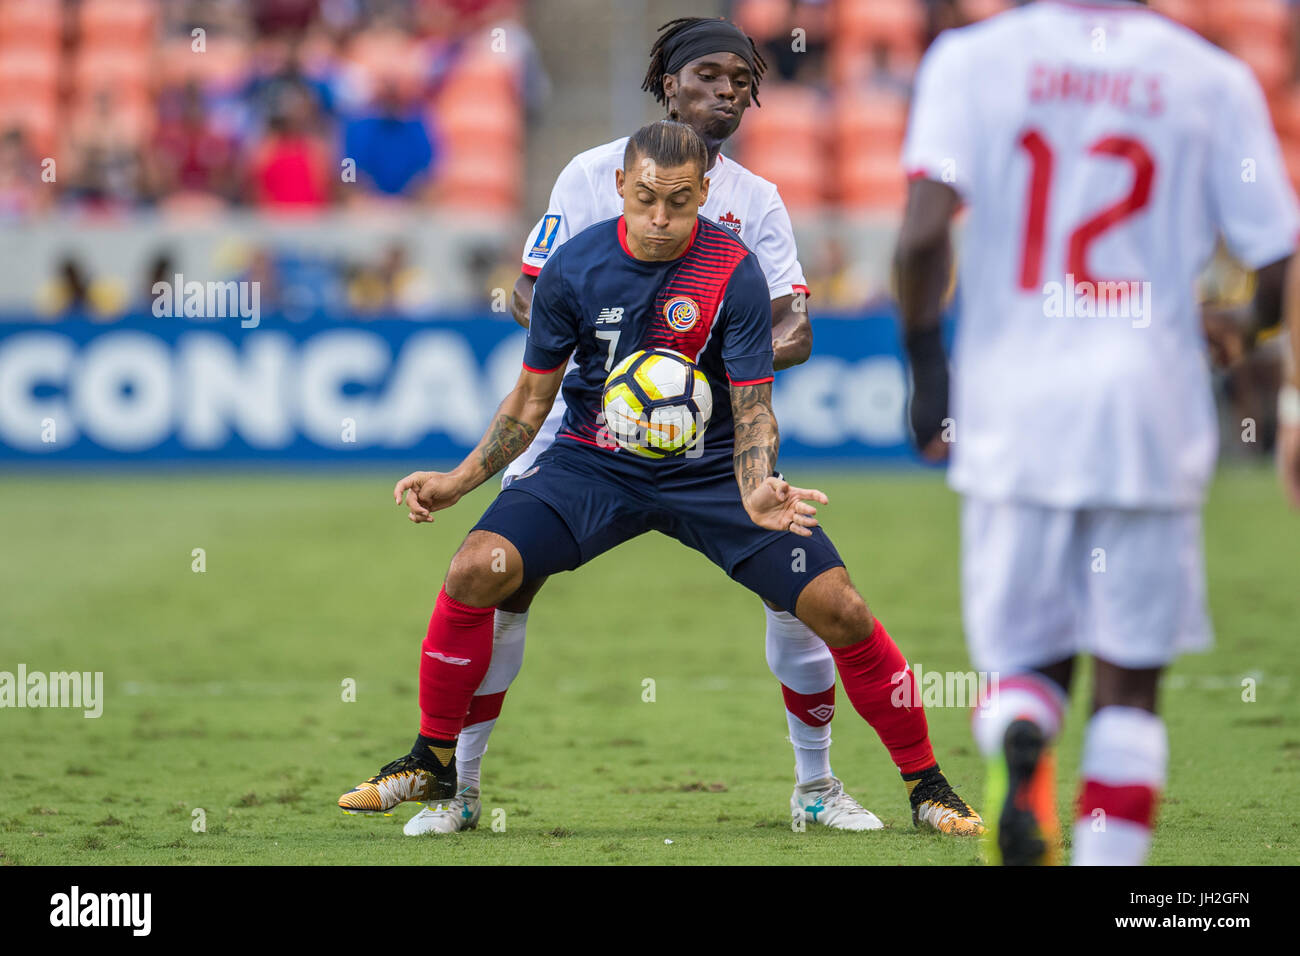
(601, 505)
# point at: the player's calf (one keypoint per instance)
(873, 668)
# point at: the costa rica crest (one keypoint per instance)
(681, 312)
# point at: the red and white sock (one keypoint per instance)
(453, 661)
(872, 670)
(1024, 696)
(508, 632)
(1125, 753)
(804, 666)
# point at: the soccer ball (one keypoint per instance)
(657, 403)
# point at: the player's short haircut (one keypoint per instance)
(667, 143)
(688, 38)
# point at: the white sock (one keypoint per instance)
(1125, 754)
(509, 630)
(1026, 695)
(801, 661)
(797, 657)
(812, 749)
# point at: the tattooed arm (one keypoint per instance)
(512, 430)
(770, 501)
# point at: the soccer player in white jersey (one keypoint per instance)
(1101, 149)
(705, 71)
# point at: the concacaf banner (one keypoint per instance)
(172, 390)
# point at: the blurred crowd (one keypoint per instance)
(282, 105)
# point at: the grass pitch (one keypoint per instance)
(224, 689)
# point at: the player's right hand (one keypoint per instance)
(425, 492)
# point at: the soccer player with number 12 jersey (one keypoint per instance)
(1099, 168)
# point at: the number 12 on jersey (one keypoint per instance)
(1042, 161)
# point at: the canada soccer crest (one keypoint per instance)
(681, 313)
(729, 220)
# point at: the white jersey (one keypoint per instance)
(748, 205)
(585, 194)
(1101, 149)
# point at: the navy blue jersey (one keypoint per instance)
(597, 301)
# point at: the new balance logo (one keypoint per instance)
(609, 316)
(462, 661)
(822, 712)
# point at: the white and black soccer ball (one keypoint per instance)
(657, 403)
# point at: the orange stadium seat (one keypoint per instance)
(479, 74)
(1190, 13)
(788, 112)
(1285, 108)
(122, 23)
(1269, 59)
(867, 119)
(871, 179)
(761, 19)
(899, 24)
(983, 9)
(1258, 20)
(1291, 155)
(481, 180)
(37, 118)
(110, 67)
(496, 123)
(31, 23)
(34, 72)
(799, 171)
(223, 63)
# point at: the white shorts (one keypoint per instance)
(545, 438)
(1042, 584)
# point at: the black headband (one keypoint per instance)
(701, 39)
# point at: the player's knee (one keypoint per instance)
(484, 571)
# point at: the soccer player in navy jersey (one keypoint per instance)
(682, 282)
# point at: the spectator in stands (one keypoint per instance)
(282, 75)
(392, 146)
(292, 167)
(22, 194)
(104, 154)
(190, 154)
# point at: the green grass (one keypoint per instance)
(224, 688)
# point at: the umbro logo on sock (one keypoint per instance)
(462, 661)
(822, 712)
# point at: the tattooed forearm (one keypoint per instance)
(504, 442)
(756, 435)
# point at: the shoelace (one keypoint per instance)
(404, 764)
(944, 795)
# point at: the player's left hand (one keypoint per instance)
(780, 506)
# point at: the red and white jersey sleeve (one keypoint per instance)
(1101, 150)
(585, 194)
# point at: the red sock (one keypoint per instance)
(815, 710)
(484, 707)
(868, 670)
(461, 637)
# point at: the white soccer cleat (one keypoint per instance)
(824, 802)
(459, 813)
